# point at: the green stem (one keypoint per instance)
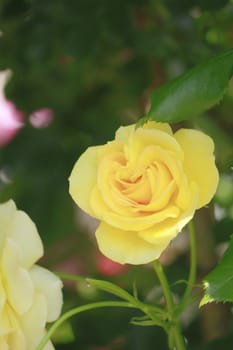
(156, 313)
(175, 330)
(70, 277)
(193, 267)
(164, 283)
(76, 311)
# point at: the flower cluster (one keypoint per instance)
(144, 187)
(30, 295)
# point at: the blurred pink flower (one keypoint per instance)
(11, 119)
(108, 267)
(41, 118)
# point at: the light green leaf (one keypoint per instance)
(102, 285)
(111, 288)
(193, 92)
(145, 321)
(218, 284)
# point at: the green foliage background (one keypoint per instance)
(95, 63)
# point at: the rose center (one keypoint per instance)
(144, 187)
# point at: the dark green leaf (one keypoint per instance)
(212, 5)
(193, 92)
(218, 283)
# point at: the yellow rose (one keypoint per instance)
(30, 295)
(144, 187)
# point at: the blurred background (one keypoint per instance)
(80, 69)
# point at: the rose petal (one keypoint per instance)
(158, 138)
(2, 300)
(24, 233)
(5, 324)
(165, 127)
(122, 134)
(50, 286)
(33, 322)
(17, 338)
(133, 222)
(165, 231)
(125, 246)
(18, 284)
(83, 179)
(140, 138)
(199, 162)
(7, 212)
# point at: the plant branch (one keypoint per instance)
(176, 339)
(76, 311)
(193, 267)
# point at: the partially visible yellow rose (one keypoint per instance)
(144, 187)
(30, 295)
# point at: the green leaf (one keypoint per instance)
(111, 288)
(193, 92)
(218, 283)
(145, 321)
(102, 285)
